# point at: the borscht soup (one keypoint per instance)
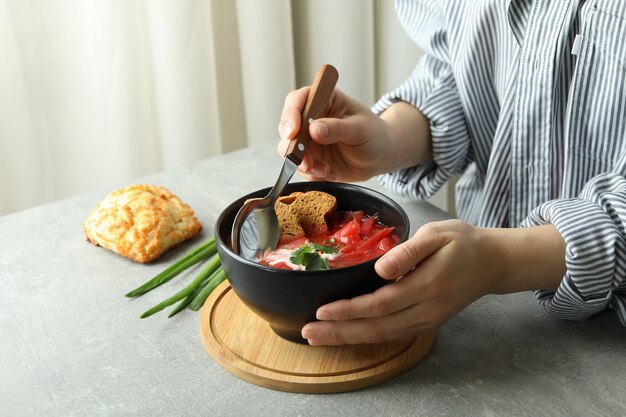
(350, 238)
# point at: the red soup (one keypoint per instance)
(352, 238)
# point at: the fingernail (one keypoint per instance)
(287, 128)
(387, 266)
(309, 334)
(325, 315)
(322, 129)
(319, 172)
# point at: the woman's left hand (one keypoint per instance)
(442, 269)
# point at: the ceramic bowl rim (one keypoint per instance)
(388, 201)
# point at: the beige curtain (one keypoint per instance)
(94, 93)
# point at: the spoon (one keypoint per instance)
(263, 208)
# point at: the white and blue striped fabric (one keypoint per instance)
(527, 100)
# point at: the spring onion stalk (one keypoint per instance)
(199, 254)
(208, 273)
(216, 280)
(214, 263)
(185, 302)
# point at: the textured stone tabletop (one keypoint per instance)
(71, 344)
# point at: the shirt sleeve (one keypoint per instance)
(432, 89)
(594, 229)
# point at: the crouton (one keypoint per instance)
(304, 214)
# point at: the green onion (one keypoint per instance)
(213, 264)
(199, 254)
(185, 302)
(213, 282)
(209, 272)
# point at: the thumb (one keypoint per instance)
(351, 130)
(402, 258)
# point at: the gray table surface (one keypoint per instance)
(72, 345)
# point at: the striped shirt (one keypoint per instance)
(527, 100)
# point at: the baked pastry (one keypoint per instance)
(141, 222)
(304, 214)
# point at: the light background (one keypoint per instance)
(95, 93)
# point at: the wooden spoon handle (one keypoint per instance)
(316, 104)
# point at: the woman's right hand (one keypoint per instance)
(353, 144)
(349, 144)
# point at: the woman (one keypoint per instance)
(527, 100)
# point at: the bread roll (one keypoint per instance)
(141, 222)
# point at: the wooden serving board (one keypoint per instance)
(245, 345)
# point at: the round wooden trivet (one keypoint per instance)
(245, 345)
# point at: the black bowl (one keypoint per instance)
(286, 299)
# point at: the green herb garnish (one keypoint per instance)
(309, 256)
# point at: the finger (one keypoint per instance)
(311, 177)
(290, 119)
(282, 146)
(318, 169)
(400, 259)
(402, 325)
(384, 301)
(309, 164)
(312, 153)
(351, 130)
(312, 167)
